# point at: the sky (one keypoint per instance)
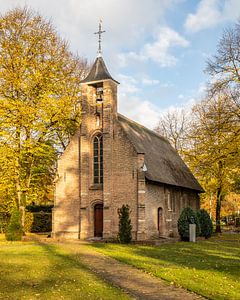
(156, 49)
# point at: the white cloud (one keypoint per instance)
(166, 85)
(149, 81)
(128, 84)
(126, 22)
(159, 50)
(211, 13)
(139, 110)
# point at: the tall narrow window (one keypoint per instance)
(98, 159)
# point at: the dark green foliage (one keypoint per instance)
(205, 223)
(237, 222)
(42, 222)
(125, 227)
(14, 230)
(4, 220)
(39, 208)
(188, 216)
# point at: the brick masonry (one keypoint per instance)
(155, 208)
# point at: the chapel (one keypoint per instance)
(113, 161)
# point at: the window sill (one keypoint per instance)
(96, 186)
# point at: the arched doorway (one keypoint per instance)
(160, 220)
(98, 220)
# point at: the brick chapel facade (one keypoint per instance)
(112, 161)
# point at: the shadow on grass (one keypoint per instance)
(48, 271)
(207, 255)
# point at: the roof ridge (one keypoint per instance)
(145, 128)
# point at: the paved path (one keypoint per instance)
(138, 284)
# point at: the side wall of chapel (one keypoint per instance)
(171, 201)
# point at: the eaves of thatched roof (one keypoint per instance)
(164, 165)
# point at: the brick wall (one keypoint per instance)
(75, 191)
(123, 179)
(66, 208)
(172, 200)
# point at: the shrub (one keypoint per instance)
(188, 216)
(125, 227)
(205, 223)
(14, 230)
(28, 221)
(42, 222)
(4, 220)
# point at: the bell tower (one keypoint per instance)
(99, 115)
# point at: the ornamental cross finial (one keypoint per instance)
(100, 31)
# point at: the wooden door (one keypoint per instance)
(98, 220)
(160, 220)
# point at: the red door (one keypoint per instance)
(98, 220)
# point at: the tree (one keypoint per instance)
(39, 101)
(174, 125)
(224, 67)
(125, 227)
(215, 154)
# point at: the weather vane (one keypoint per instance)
(100, 32)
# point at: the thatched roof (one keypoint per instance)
(98, 72)
(164, 165)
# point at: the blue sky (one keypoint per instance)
(156, 49)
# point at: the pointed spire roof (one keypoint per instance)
(98, 72)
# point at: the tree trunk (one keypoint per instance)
(20, 201)
(18, 184)
(218, 210)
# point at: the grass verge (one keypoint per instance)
(38, 271)
(210, 268)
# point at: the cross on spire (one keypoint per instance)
(100, 32)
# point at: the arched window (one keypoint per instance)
(98, 159)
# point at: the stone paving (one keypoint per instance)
(136, 283)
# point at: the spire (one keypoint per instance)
(99, 71)
(100, 32)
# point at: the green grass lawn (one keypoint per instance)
(210, 268)
(33, 271)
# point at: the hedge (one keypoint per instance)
(34, 222)
(39, 208)
(42, 222)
